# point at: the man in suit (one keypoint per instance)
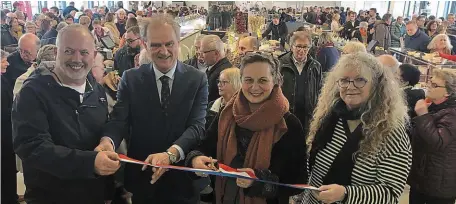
(161, 107)
(212, 52)
(350, 25)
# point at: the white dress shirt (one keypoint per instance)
(169, 74)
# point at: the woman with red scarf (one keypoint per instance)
(362, 34)
(256, 133)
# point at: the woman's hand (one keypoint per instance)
(245, 183)
(331, 193)
(421, 107)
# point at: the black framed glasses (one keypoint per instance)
(205, 52)
(358, 82)
(24, 52)
(302, 47)
(222, 82)
(129, 41)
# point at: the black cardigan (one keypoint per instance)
(288, 160)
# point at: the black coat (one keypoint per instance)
(7, 38)
(314, 78)
(349, 29)
(212, 76)
(49, 38)
(278, 31)
(139, 116)
(55, 135)
(418, 42)
(16, 67)
(286, 161)
(413, 96)
(68, 10)
(123, 61)
(9, 183)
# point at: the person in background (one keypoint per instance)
(9, 172)
(420, 22)
(45, 54)
(361, 16)
(255, 133)
(131, 22)
(431, 29)
(302, 77)
(69, 9)
(279, 30)
(397, 31)
(56, 12)
(213, 54)
(124, 57)
(335, 24)
(86, 22)
(350, 25)
(432, 178)
(7, 38)
(214, 18)
(311, 16)
(45, 27)
(441, 44)
(99, 32)
(110, 17)
(343, 16)
(415, 38)
(131, 15)
(121, 20)
(353, 47)
(245, 45)
(89, 13)
(362, 33)
(451, 20)
(30, 27)
(143, 58)
(16, 30)
(197, 61)
(69, 19)
(390, 62)
(57, 151)
(51, 36)
(358, 135)
(382, 33)
(372, 17)
(410, 76)
(23, 58)
(327, 54)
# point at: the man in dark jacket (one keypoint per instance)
(57, 124)
(302, 77)
(69, 8)
(213, 55)
(21, 60)
(214, 18)
(311, 16)
(382, 32)
(350, 25)
(125, 56)
(279, 30)
(161, 108)
(7, 38)
(415, 38)
(451, 32)
(196, 61)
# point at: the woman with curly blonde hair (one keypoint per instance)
(359, 149)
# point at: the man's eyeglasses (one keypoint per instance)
(129, 41)
(24, 52)
(223, 83)
(205, 52)
(300, 47)
(358, 82)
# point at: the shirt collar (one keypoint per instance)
(298, 63)
(169, 74)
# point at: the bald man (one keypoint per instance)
(247, 44)
(390, 62)
(57, 141)
(22, 59)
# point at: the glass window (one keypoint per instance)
(398, 8)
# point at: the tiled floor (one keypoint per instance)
(21, 189)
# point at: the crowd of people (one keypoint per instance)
(352, 124)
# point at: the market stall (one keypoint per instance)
(191, 27)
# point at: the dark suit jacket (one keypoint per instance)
(349, 28)
(139, 115)
(212, 76)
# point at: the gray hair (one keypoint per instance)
(300, 35)
(144, 57)
(363, 24)
(121, 11)
(4, 54)
(214, 42)
(157, 20)
(61, 25)
(354, 47)
(325, 38)
(274, 64)
(449, 77)
(73, 28)
(46, 53)
(30, 23)
(432, 44)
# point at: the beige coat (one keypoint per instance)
(114, 31)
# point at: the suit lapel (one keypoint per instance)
(150, 89)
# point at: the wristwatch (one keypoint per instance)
(172, 157)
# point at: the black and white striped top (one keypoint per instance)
(375, 180)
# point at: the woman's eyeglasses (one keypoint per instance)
(222, 82)
(434, 85)
(358, 82)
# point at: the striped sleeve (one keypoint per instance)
(392, 172)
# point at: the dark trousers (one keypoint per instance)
(9, 182)
(416, 197)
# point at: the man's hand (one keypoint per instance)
(106, 163)
(105, 145)
(157, 159)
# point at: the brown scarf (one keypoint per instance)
(268, 125)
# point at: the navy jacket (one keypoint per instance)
(328, 57)
(418, 42)
(139, 116)
(55, 135)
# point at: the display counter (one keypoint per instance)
(424, 61)
(190, 29)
